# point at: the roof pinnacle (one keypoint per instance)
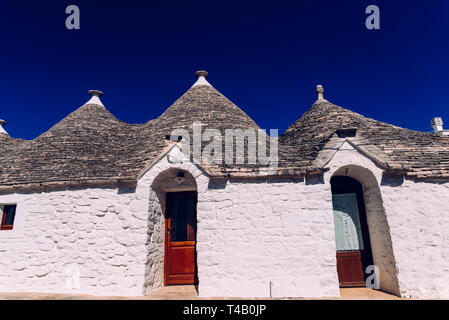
(201, 75)
(96, 94)
(320, 93)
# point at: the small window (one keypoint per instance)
(346, 133)
(8, 215)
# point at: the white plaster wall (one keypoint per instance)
(417, 218)
(84, 241)
(251, 234)
(418, 213)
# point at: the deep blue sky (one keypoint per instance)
(267, 57)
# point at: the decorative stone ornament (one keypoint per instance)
(320, 92)
(180, 178)
(201, 75)
(2, 124)
(96, 94)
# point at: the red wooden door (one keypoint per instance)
(180, 238)
(350, 269)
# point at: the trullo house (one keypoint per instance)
(95, 205)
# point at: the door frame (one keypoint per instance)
(346, 185)
(176, 194)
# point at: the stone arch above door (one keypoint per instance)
(350, 163)
(158, 179)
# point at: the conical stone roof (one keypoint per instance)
(92, 147)
(419, 154)
(88, 146)
(203, 104)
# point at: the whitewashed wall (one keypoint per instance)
(251, 234)
(96, 234)
(419, 218)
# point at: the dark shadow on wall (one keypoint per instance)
(392, 180)
(126, 189)
(315, 179)
(217, 184)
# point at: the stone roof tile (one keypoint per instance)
(420, 154)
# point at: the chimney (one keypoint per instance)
(2, 124)
(437, 125)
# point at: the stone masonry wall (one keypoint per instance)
(270, 238)
(84, 241)
(418, 213)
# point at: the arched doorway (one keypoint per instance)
(172, 225)
(377, 224)
(352, 237)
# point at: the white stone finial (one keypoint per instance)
(320, 92)
(96, 94)
(201, 75)
(2, 123)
